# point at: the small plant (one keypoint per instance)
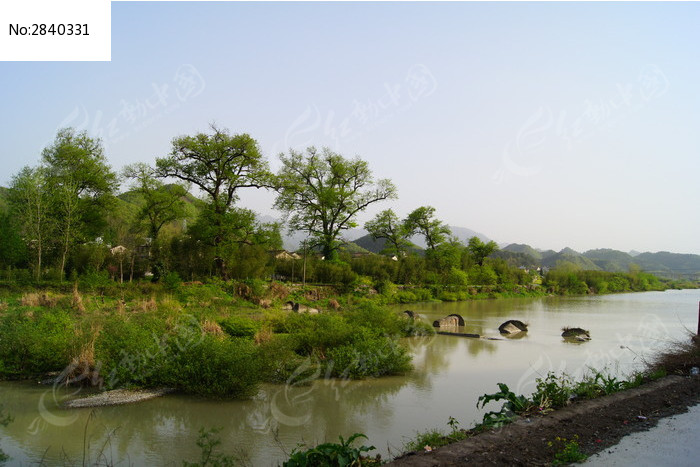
(432, 439)
(553, 391)
(207, 442)
(568, 451)
(512, 406)
(333, 454)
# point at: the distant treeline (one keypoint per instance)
(65, 221)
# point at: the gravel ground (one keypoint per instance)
(116, 397)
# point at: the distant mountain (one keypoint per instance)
(673, 265)
(463, 234)
(570, 256)
(378, 245)
(610, 260)
(525, 249)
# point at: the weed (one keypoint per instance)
(568, 451)
(333, 454)
(512, 406)
(207, 442)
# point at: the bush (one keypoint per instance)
(239, 326)
(332, 454)
(369, 355)
(172, 281)
(31, 346)
(317, 333)
(132, 351)
(216, 367)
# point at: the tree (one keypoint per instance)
(30, 198)
(162, 203)
(82, 185)
(219, 164)
(322, 193)
(421, 221)
(387, 225)
(480, 250)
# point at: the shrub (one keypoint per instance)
(172, 281)
(317, 333)
(132, 351)
(239, 326)
(35, 345)
(216, 367)
(332, 454)
(369, 355)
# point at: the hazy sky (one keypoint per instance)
(552, 124)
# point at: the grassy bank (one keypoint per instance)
(218, 339)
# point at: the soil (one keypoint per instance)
(596, 425)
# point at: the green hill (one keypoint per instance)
(610, 260)
(377, 246)
(570, 256)
(672, 265)
(524, 249)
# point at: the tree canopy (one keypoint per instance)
(387, 225)
(219, 164)
(422, 221)
(322, 192)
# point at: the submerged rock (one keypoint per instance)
(512, 326)
(576, 334)
(451, 321)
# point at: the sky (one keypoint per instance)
(552, 124)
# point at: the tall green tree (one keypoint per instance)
(480, 250)
(82, 185)
(422, 221)
(30, 203)
(387, 225)
(322, 192)
(162, 203)
(219, 164)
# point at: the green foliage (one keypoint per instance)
(132, 351)
(368, 355)
(216, 367)
(239, 326)
(386, 225)
(172, 281)
(35, 342)
(207, 442)
(318, 333)
(480, 250)
(422, 221)
(335, 272)
(513, 405)
(332, 454)
(433, 438)
(436, 438)
(568, 451)
(322, 193)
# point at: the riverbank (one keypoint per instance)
(595, 425)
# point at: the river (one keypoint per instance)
(450, 374)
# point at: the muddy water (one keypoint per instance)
(450, 373)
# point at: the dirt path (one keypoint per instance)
(598, 424)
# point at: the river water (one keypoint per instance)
(450, 374)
